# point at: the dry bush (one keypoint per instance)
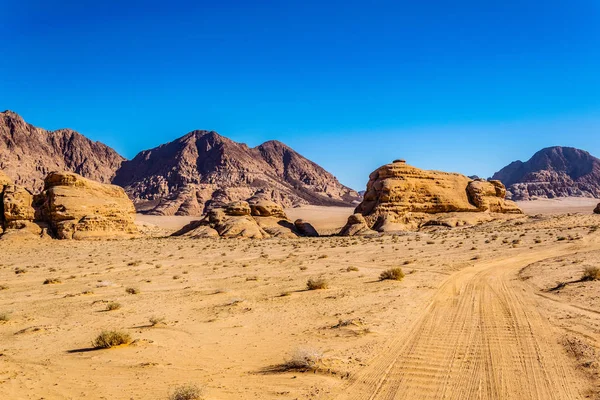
(350, 269)
(591, 274)
(187, 392)
(108, 339)
(394, 274)
(304, 359)
(51, 281)
(156, 321)
(113, 306)
(315, 284)
(132, 290)
(4, 317)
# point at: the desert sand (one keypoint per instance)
(477, 316)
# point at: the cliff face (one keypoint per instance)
(553, 172)
(203, 169)
(28, 154)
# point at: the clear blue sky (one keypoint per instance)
(463, 86)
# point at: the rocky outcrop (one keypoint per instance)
(553, 172)
(28, 154)
(597, 209)
(70, 207)
(401, 197)
(305, 228)
(490, 196)
(356, 226)
(259, 220)
(203, 170)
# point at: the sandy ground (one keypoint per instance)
(559, 206)
(474, 318)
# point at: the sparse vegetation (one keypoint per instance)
(52, 281)
(317, 283)
(132, 290)
(591, 274)
(108, 339)
(187, 392)
(113, 306)
(4, 317)
(304, 359)
(156, 321)
(394, 274)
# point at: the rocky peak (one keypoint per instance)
(553, 172)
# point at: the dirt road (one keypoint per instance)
(482, 337)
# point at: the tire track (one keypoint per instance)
(481, 337)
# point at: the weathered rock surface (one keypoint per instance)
(259, 220)
(356, 226)
(28, 154)
(79, 208)
(401, 197)
(553, 172)
(203, 170)
(70, 207)
(597, 209)
(305, 228)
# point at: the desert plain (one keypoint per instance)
(493, 311)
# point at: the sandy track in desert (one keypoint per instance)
(482, 337)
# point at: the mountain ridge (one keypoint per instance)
(553, 172)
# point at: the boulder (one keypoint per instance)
(78, 208)
(402, 197)
(238, 208)
(597, 209)
(356, 226)
(490, 196)
(305, 228)
(17, 204)
(266, 208)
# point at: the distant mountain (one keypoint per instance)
(553, 172)
(204, 169)
(28, 154)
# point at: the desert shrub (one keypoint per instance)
(4, 317)
(394, 274)
(156, 320)
(132, 290)
(108, 339)
(350, 269)
(187, 392)
(304, 359)
(318, 283)
(591, 274)
(51, 281)
(113, 306)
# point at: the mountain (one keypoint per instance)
(28, 154)
(553, 172)
(202, 169)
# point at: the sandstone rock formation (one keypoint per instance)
(70, 207)
(553, 172)
(203, 170)
(401, 197)
(262, 219)
(28, 154)
(305, 228)
(356, 226)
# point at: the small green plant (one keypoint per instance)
(394, 274)
(112, 306)
(187, 392)
(108, 339)
(316, 284)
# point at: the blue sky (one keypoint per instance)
(464, 86)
